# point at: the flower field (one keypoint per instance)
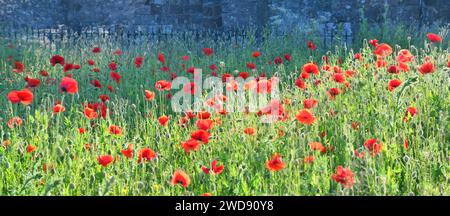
(97, 118)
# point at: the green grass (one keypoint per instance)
(422, 169)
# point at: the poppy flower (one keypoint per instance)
(300, 83)
(23, 96)
(115, 130)
(434, 38)
(18, 67)
(207, 51)
(404, 56)
(373, 145)
(278, 60)
(406, 144)
(393, 69)
(189, 88)
(244, 75)
(96, 50)
(214, 168)
(105, 160)
(90, 113)
(128, 153)
(256, 54)
(287, 57)
(426, 68)
(333, 92)
(115, 76)
(146, 154)
(275, 163)
(31, 148)
(112, 66)
(203, 115)
(373, 42)
(305, 117)
(43, 73)
(309, 103)
(204, 124)
(57, 59)
(250, 131)
(383, 50)
(149, 95)
(68, 85)
(357, 56)
(161, 58)
(201, 135)
(32, 82)
(90, 62)
(96, 83)
(117, 52)
(180, 177)
(394, 84)
(317, 146)
(163, 85)
(308, 159)
(58, 108)
(138, 61)
(185, 58)
(410, 112)
(103, 97)
(344, 176)
(190, 145)
(68, 67)
(14, 121)
(163, 120)
(311, 45)
(339, 77)
(251, 65)
(81, 130)
(310, 68)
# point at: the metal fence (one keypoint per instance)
(327, 37)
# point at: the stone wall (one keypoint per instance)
(167, 15)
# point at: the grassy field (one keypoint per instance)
(369, 135)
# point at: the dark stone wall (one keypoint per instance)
(167, 15)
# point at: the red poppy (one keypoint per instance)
(275, 163)
(308, 159)
(373, 42)
(404, 56)
(31, 148)
(81, 130)
(300, 83)
(32, 82)
(406, 144)
(434, 38)
(14, 121)
(383, 50)
(146, 154)
(201, 135)
(57, 59)
(311, 45)
(427, 67)
(305, 117)
(244, 75)
(138, 61)
(373, 146)
(163, 85)
(190, 145)
(334, 92)
(250, 131)
(203, 115)
(180, 177)
(23, 96)
(103, 97)
(117, 52)
(394, 84)
(256, 54)
(105, 160)
(339, 78)
(287, 57)
(393, 69)
(58, 108)
(207, 51)
(115, 76)
(163, 120)
(128, 153)
(161, 58)
(215, 169)
(410, 112)
(278, 60)
(68, 85)
(90, 113)
(90, 62)
(185, 58)
(204, 124)
(189, 88)
(309, 103)
(18, 67)
(96, 83)
(113, 66)
(149, 95)
(357, 56)
(344, 176)
(310, 68)
(115, 130)
(96, 50)
(251, 65)
(43, 73)
(317, 146)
